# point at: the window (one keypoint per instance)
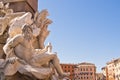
(81, 69)
(72, 70)
(86, 69)
(81, 78)
(68, 66)
(91, 73)
(72, 66)
(90, 69)
(87, 77)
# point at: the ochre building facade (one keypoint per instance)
(85, 71)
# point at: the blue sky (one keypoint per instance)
(84, 30)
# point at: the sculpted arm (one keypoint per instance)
(40, 51)
(12, 43)
(15, 41)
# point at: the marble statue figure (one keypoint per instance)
(22, 37)
(23, 49)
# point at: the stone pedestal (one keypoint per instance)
(23, 5)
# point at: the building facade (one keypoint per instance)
(105, 72)
(117, 69)
(69, 68)
(111, 70)
(100, 76)
(85, 71)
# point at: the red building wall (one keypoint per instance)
(69, 68)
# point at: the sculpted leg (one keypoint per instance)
(42, 59)
(57, 66)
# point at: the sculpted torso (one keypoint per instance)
(22, 47)
(24, 51)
